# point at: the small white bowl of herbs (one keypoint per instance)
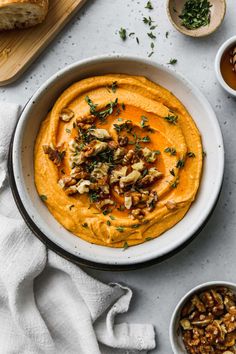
(196, 18)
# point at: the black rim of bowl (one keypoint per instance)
(75, 259)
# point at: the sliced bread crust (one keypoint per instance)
(22, 13)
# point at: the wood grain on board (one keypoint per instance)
(19, 48)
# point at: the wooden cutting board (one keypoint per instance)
(19, 48)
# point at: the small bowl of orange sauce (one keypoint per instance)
(225, 65)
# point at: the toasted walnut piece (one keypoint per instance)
(152, 176)
(100, 170)
(102, 134)
(131, 178)
(232, 310)
(128, 202)
(119, 154)
(149, 155)
(130, 157)
(67, 182)
(90, 119)
(105, 189)
(171, 205)
(139, 166)
(117, 174)
(83, 186)
(98, 147)
(113, 145)
(137, 214)
(139, 198)
(207, 299)
(73, 146)
(66, 114)
(77, 159)
(78, 173)
(152, 200)
(54, 155)
(229, 303)
(71, 190)
(198, 303)
(123, 140)
(118, 190)
(186, 324)
(104, 203)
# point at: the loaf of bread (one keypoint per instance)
(22, 13)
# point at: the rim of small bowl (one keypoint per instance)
(197, 228)
(227, 44)
(191, 33)
(174, 318)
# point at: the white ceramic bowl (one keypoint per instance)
(174, 332)
(43, 223)
(226, 45)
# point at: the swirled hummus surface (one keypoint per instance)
(118, 160)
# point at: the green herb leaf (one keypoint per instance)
(108, 223)
(148, 238)
(125, 246)
(191, 154)
(148, 21)
(175, 183)
(196, 14)
(123, 34)
(120, 229)
(172, 172)
(68, 130)
(173, 61)
(137, 40)
(136, 226)
(151, 35)
(180, 163)
(172, 119)
(85, 225)
(71, 206)
(167, 34)
(149, 6)
(43, 197)
(170, 150)
(112, 217)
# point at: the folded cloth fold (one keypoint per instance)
(47, 304)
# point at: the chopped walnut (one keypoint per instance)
(123, 140)
(100, 134)
(137, 214)
(171, 205)
(131, 178)
(104, 203)
(207, 324)
(128, 201)
(100, 170)
(130, 157)
(83, 186)
(152, 176)
(118, 154)
(66, 114)
(54, 155)
(117, 174)
(94, 148)
(71, 190)
(67, 182)
(139, 166)
(149, 155)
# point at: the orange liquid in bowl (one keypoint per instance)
(227, 68)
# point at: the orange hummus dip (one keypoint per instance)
(118, 160)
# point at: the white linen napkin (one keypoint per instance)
(47, 304)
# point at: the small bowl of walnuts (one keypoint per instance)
(204, 321)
